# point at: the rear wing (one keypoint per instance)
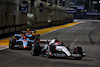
(47, 41)
(24, 32)
(44, 41)
(28, 32)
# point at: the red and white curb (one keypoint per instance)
(3, 47)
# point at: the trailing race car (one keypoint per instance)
(23, 40)
(55, 48)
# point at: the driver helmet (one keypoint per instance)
(24, 37)
(28, 29)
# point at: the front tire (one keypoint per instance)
(79, 51)
(35, 50)
(11, 43)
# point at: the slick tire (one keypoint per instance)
(35, 50)
(11, 43)
(79, 51)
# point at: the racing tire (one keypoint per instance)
(11, 43)
(35, 50)
(79, 51)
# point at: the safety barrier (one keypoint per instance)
(7, 30)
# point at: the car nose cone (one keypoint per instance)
(25, 46)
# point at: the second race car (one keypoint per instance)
(23, 40)
(55, 48)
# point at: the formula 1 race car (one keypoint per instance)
(55, 48)
(23, 40)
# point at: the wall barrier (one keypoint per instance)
(7, 30)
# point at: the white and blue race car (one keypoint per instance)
(24, 40)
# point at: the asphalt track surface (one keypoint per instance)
(86, 34)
